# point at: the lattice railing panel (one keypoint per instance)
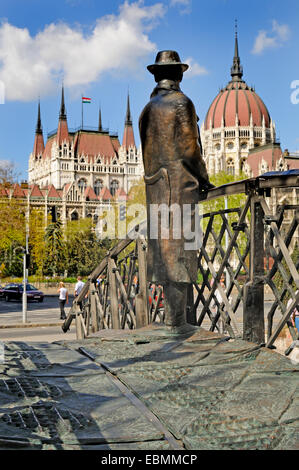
(224, 251)
(281, 275)
(249, 246)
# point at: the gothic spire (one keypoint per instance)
(62, 130)
(39, 129)
(62, 114)
(128, 121)
(236, 69)
(100, 121)
(38, 147)
(128, 137)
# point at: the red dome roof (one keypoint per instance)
(237, 98)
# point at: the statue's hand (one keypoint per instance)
(206, 186)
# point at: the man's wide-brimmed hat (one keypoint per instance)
(167, 58)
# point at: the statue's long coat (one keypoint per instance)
(174, 171)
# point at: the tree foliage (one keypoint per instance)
(13, 235)
(215, 205)
(54, 249)
(83, 251)
(37, 241)
(8, 172)
(72, 248)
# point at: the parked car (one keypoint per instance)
(15, 292)
(1, 292)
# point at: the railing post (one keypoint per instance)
(142, 305)
(113, 295)
(93, 308)
(191, 311)
(79, 329)
(253, 310)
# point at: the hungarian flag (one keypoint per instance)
(86, 100)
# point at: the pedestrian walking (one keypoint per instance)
(78, 287)
(217, 307)
(63, 299)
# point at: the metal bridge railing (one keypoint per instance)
(252, 245)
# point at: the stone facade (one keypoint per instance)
(80, 170)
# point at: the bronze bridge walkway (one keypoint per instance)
(144, 389)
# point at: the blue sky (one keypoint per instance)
(101, 49)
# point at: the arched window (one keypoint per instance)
(114, 187)
(242, 165)
(230, 166)
(74, 215)
(82, 184)
(280, 168)
(98, 186)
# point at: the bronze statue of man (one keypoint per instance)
(175, 173)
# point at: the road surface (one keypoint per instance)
(44, 314)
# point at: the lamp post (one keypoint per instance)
(24, 300)
(25, 265)
(226, 242)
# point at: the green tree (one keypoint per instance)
(8, 172)
(137, 193)
(37, 241)
(82, 249)
(54, 249)
(12, 239)
(235, 201)
(218, 204)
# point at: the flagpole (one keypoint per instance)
(82, 110)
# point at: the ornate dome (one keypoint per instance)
(237, 99)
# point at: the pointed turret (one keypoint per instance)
(39, 146)
(236, 69)
(128, 138)
(62, 131)
(39, 129)
(128, 121)
(100, 129)
(62, 114)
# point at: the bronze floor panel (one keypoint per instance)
(144, 389)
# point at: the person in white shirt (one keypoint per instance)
(215, 308)
(63, 299)
(78, 287)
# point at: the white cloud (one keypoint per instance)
(265, 40)
(194, 68)
(179, 2)
(31, 65)
(185, 5)
(282, 31)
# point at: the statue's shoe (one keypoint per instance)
(185, 329)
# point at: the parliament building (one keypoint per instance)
(238, 134)
(80, 170)
(76, 172)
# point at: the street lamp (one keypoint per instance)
(26, 260)
(26, 264)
